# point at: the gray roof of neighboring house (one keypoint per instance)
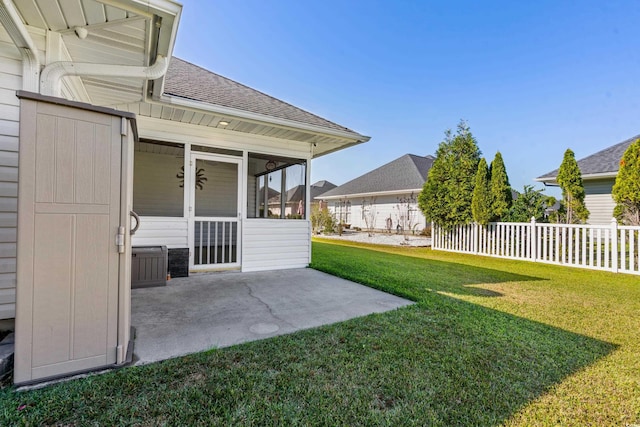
(321, 187)
(186, 80)
(605, 161)
(408, 172)
(271, 193)
(296, 193)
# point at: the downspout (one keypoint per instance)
(22, 39)
(51, 83)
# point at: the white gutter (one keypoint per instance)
(600, 175)
(50, 78)
(551, 180)
(371, 194)
(16, 29)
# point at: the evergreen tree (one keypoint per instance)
(481, 200)
(446, 196)
(626, 191)
(570, 180)
(501, 198)
(530, 203)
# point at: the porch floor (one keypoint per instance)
(210, 310)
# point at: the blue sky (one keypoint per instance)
(531, 78)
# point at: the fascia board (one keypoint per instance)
(260, 118)
(371, 194)
(587, 177)
(599, 175)
(546, 180)
(146, 7)
(338, 148)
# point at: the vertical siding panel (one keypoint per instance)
(65, 160)
(84, 163)
(45, 150)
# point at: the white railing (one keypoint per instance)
(603, 247)
(215, 241)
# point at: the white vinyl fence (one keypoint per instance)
(602, 247)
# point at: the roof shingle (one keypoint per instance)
(604, 161)
(408, 172)
(186, 80)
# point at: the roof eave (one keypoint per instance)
(168, 10)
(586, 177)
(370, 194)
(350, 138)
(341, 147)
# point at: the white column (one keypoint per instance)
(188, 205)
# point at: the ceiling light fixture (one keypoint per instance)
(223, 123)
(81, 32)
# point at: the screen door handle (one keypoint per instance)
(137, 218)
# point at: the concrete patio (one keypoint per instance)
(222, 309)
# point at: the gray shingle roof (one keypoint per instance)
(605, 161)
(321, 187)
(296, 193)
(186, 80)
(293, 195)
(408, 172)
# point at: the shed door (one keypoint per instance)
(70, 270)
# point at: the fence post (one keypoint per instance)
(532, 236)
(614, 245)
(474, 237)
(434, 238)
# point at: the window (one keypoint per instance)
(276, 187)
(343, 211)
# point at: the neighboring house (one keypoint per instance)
(294, 202)
(112, 124)
(376, 196)
(319, 188)
(599, 173)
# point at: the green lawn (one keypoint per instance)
(490, 342)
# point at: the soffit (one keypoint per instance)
(114, 36)
(324, 144)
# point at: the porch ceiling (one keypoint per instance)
(324, 143)
(115, 36)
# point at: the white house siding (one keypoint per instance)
(161, 231)
(598, 200)
(10, 82)
(385, 207)
(276, 244)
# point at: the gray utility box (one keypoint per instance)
(148, 266)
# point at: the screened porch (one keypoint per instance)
(229, 209)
